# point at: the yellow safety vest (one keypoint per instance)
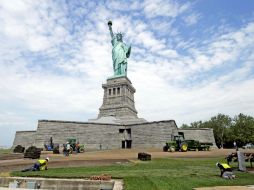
(43, 164)
(225, 166)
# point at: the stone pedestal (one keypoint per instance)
(118, 99)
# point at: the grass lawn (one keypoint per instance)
(158, 174)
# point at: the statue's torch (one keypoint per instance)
(109, 23)
(110, 28)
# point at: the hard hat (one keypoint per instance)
(47, 159)
(217, 164)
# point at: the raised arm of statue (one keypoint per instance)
(110, 29)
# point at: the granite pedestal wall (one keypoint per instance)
(118, 99)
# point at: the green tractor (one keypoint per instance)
(177, 144)
(180, 144)
(75, 146)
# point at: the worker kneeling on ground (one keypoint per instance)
(40, 165)
(225, 171)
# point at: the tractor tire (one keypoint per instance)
(81, 150)
(172, 149)
(71, 150)
(184, 147)
(165, 148)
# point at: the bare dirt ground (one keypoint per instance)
(16, 162)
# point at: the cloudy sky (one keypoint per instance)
(190, 60)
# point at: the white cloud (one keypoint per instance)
(149, 41)
(169, 8)
(15, 6)
(169, 53)
(197, 103)
(9, 118)
(123, 5)
(226, 48)
(38, 43)
(191, 19)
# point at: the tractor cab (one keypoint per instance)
(178, 139)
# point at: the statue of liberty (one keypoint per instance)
(120, 52)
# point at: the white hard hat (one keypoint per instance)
(47, 159)
(217, 164)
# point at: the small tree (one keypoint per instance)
(243, 129)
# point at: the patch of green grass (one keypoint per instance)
(5, 151)
(161, 174)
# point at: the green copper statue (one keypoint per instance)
(120, 53)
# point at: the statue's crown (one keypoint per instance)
(119, 34)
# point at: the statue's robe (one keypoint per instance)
(120, 53)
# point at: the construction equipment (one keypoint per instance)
(197, 145)
(75, 146)
(48, 144)
(178, 143)
(56, 148)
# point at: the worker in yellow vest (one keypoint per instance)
(43, 164)
(40, 165)
(225, 171)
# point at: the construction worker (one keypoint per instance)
(77, 147)
(225, 171)
(40, 165)
(68, 148)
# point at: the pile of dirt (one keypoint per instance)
(102, 177)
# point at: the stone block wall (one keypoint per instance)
(105, 136)
(203, 135)
(90, 134)
(24, 138)
(152, 134)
